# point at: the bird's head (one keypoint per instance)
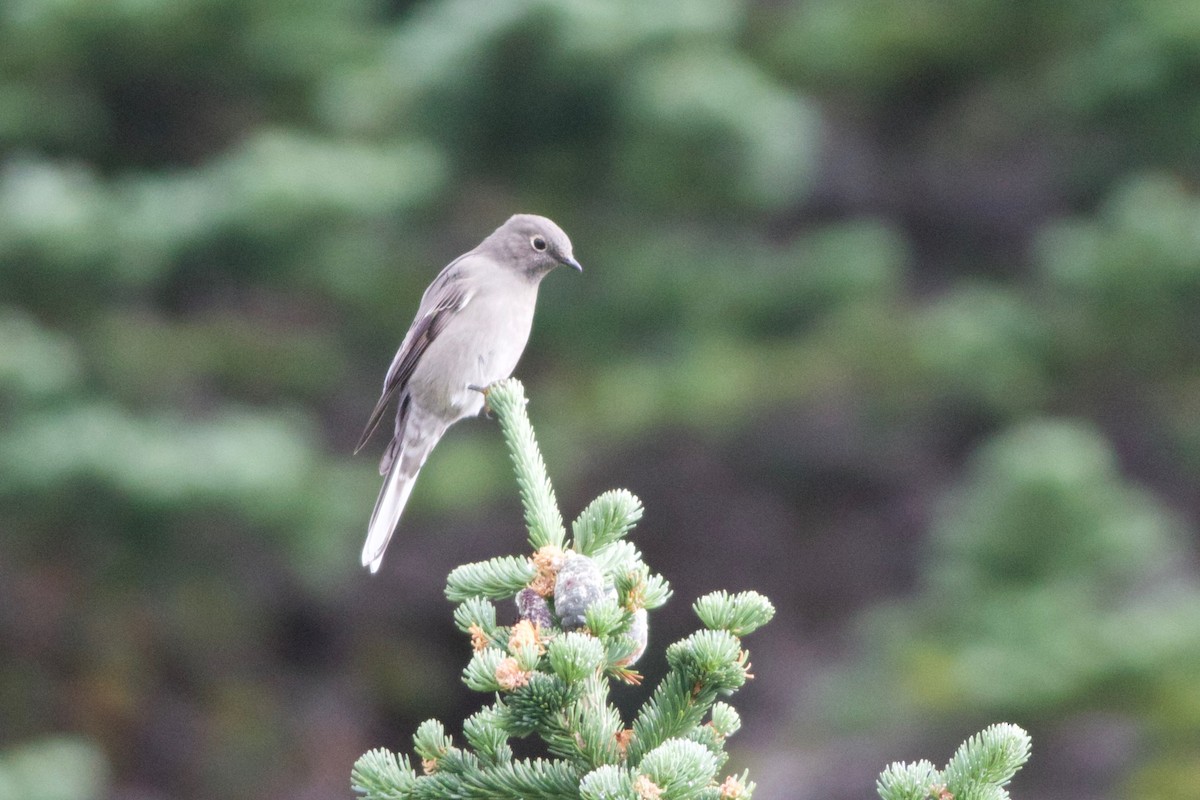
(535, 244)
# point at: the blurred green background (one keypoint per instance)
(890, 311)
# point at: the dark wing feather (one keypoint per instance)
(447, 296)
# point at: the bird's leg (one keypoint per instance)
(483, 390)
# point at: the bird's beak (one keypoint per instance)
(572, 263)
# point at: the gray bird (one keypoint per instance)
(470, 330)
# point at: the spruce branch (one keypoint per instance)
(529, 779)
(991, 756)
(677, 705)
(482, 672)
(738, 787)
(477, 616)
(582, 623)
(475, 612)
(707, 737)
(656, 592)
(710, 658)
(979, 769)
(487, 736)
(431, 743)
(680, 768)
(382, 775)
(597, 724)
(605, 520)
(542, 516)
(608, 782)
(458, 762)
(725, 719)
(907, 781)
(536, 705)
(740, 614)
(496, 578)
(575, 656)
(620, 653)
(605, 617)
(637, 588)
(617, 558)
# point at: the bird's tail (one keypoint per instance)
(416, 436)
(392, 497)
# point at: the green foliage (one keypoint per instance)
(480, 672)
(605, 520)
(62, 768)
(542, 515)
(739, 614)
(695, 101)
(916, 781)
(35, 363)
(380, 773)
(682, 769)
(554, 683)
(498, 578)
(606, 782)
(574, 656)
(979, 770)
(478, 612)
(486, 734)
(986, 347)
(1040, 501)
(1128, 280)
(606, 616)
(991, 756)
(1113, 66)
(163, 461)
(910, 226)
(1052, 582)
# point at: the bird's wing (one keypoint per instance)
(444, 298)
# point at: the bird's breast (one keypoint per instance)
(480, 346)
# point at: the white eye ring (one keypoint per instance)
(538, 243)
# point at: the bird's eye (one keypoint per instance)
(538, 243)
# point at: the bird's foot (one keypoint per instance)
(483, 390)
